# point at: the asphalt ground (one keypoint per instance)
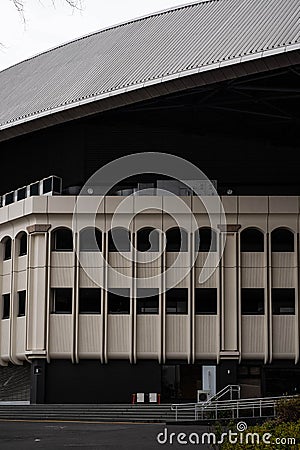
(25, 435)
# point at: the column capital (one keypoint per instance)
(229, 228)
(38, 228)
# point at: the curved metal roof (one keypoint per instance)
(180, 42)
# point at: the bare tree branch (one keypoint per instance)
(19, 5)
(20, 8)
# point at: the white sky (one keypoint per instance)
(47, 26)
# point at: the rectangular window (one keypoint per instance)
(177, 301)
(119, 301)
(6, 306)
(206, 300)
(147, 301)
(22, 303)
(283, 301)
(252, 300)
(62, 301)
(89, 301)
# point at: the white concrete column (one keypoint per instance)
(37, 290)
(230, 292)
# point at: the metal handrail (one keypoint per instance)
(230, 389)
(227, 389)
(236, 407)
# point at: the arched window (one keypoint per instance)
(177, 240)
(148, 240)
(252, 240)
(6, 248)
(90, 240)
(205, 240)
(282, 240)
(22, 244)
(62, 240)
(118, 240)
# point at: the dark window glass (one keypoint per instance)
(119, 240)
(205, 240)
(149, 304)
(22, 303)
(90, 300)
(177, 240)
(47, 185)
(119, 301)
(252, 240)
(23, 244)
(7, 248)
(21, 193)
(56, 184)
(62, 240)
(206, 300)
(90, 240)
(62, 301)
(283, 301)
(9, 198)
(6, 306)
(282, 240)
(34, 189)
(148, 240)
(252, 301)
(177, 301)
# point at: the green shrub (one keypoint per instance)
(283, 431)
(288, 410)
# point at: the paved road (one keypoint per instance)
(66, 435)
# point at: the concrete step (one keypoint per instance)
(122, 413)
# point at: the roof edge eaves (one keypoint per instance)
(209, 67)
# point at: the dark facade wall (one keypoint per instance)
(37, 386)
(92, 382)
(226, 373)
(250, 156)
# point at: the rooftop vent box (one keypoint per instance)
(51, 186)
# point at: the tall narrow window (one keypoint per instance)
(177, 301)
(118, 240)
(148, 240)
(6, 306)
(252, 240)
(205, 240)
(90, 240)
(7, 248)
(206, 301)
(177, 240)
(61, 301)
(62, 240)
(252, 300)
(90, 301)
(22, 303)
(282, 240)
(23, 244)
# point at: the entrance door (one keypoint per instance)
(180, 382)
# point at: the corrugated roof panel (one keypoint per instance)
(169, 43)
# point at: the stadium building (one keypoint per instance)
(217, 83)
